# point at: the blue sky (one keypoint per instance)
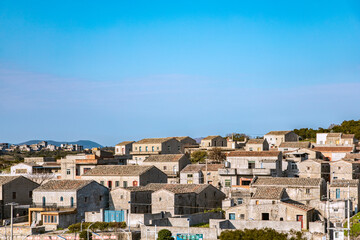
(127, 70)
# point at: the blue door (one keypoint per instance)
(337, 193)
(113, 216)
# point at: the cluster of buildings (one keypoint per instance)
(276, 181)
(43, 145)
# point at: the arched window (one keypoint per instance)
(61, 199)
(43, 201)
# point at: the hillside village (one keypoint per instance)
(194, 190)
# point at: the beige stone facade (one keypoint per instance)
(213, 141)
(275, 138)
(345, 169)
(314, 168)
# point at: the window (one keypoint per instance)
(251, 149)
(273, 202)
(152, 148)
(122, 196)
(117, 183)
(125, 183)
(164, 167)
(61, 199)
(157, 148)
(265, 216)
(146, 148)
(339, 168)
(102, 182)
(71, 201)
(68, 171)
(135, 158)
(169, 148)
(189, 181)
(139, 149)
(308, 191)
(257, 202)
(50, 219)
(239, 201)
(227, 183)
(281, 219)
(251, 165)
(308, 168)
(242, 216)
(85, 199)
(232, 216)
(337, 193)
(30, 194)
(100, 198)
(14, 195)
(44, 201)
(135, 148)
(189, 175)
(160, 199)
(178, 148)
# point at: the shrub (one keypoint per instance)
(164, 234)
(83, 235)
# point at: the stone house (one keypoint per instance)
(345, 169)
(16, 189)
(154, 146)
(257, 145)
(308, 191)
(124, 148)
(272, 204)
(187, 142)
(237, 197)
(39, 160)
(314, 168)
(74, 166)
(200, 173)
(293, 146)
(334, 153)
(182, 199)
(125, 175)
(275, 138)
(242, 166)
(139, 198)
(213, 141)
(339, 189)
(60, 203)
(335, 139)
(33, 168)
(170, 164)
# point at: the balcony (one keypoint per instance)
(227, 171)
(52, 207)
(145, 152)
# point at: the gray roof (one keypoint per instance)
(254, 154)
(63, 185)
(210, 137)
(286, 181)
(117, 170)
(256, 141)
(295, 145)
(344, 183)
(124, 143)
(7, 179)
(201, 167)
(278, 132)
(164, 158)
(298, 205)
(154, 140)
(268, 193)
(174, 188)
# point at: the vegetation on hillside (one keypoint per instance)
(355, 226)
(198, 156)
(349, 127)
(260, 234)
(238, 136)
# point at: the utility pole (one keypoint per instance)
(12, 218)
(206, 171)
(348, 200)
(328, 209)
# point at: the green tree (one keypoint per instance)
(198, 156)
(216, 155)
(164, 234)
(238, 136)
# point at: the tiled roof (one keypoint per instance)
(254, 154)
(286, 181)
(164, 158)
(255, 141)
(348, 136)
(294, 145)
(352, 156)
(297, 205)
(124, 143)
(63, 185)
(154, 140)
(333, 149)
(344, 183)
(117, 170)
(6, 179)
(175, 188)
(210, 137)
(183, 138)
(202, 167)
(334, 135)
(268, 193)
(278, 132)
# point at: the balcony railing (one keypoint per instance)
(52, 206)
(245, 171)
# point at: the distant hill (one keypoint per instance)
(84, 143)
